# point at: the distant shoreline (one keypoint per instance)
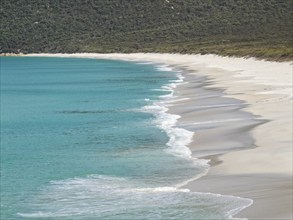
(262, 171)
(276, 58)
(11, 54)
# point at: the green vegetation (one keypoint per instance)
(260, 28)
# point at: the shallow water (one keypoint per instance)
(88, 139)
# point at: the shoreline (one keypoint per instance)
(247, 55)
(261, 169)
(231, 136)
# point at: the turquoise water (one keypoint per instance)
(91, 139)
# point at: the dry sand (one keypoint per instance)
(244, 109)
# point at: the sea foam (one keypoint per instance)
(107, 197)
(179, 138)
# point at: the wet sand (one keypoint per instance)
(221, 127)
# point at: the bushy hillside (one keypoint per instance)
(243, 27)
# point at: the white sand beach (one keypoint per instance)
(253, 160)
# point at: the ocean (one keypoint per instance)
(92, 139)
